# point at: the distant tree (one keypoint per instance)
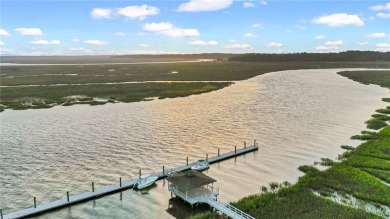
(264, 189)
(273, 185)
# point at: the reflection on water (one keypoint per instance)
(296, 116)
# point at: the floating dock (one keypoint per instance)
(95, 193)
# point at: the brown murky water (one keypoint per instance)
(297, 117)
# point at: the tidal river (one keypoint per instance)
(297, 117)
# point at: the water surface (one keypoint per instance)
(296, 116)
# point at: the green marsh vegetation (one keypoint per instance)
(362, 172)
(106, 83)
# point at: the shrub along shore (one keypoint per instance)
(357, 185)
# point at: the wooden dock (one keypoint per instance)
(95, 193)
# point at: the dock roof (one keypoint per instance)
(190, 179)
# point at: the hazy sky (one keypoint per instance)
(72, 27)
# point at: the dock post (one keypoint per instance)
(207, 157)
(67, 196)
(140, 173)
(218, 152)
(1, 213)
(163, 170)
(254, 142)
(93, 187)
(35, 202)
(187, 160)
(120, 181)
(235, 149)
(244, 144)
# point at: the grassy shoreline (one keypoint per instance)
(360, 177)
(69, 94)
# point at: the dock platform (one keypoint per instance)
(127, 184)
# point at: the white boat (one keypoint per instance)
(201, 165)
(145, 181)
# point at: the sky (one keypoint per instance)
(117, 27)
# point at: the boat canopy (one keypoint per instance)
(189, 180)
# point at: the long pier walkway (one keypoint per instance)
(73, 199)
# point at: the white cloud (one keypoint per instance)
(168, 29)
(263, 2)
(204, 5)
(158, 26)
(330, 46)
(204, 43)
(339, 20)
(383, 47)
(274, 44)
(120, 34)
(45, 42)
(362, 43)
(239, 46)
(248, 5)
(75, 40)
(257, 26)
(380, 7)
(4, 32)
(101, 13)
(2, 43)
(29, 31)
(138, 12)
(376, 35)
(143, 45)
(96, 42)
(232, 41)
(251, 35)
(383, 15)
(300, 27)
(334, 43)
(319, 37)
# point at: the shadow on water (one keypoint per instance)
(181, 209)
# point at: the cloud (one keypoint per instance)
(75, 40)
(376, 35)
(102, 13)
(289, 31)
(120, 34)
(29, 31)
(382, 47)
(239, 46)
(4, 32)
(274, 44)
(204, 43)
(158, 26)
(168, 29)
(319, 37)
(251, 35)
(248, 5)
(96, 42)
(330, 46)
(2, 43)
(143, 45)
(45, 42)
(339, 20)
(362, 43)
(138, 12)
(257, 26)
(300, 27)
(263, 2)
(380, 7)
(204, 5)
(232, 41)
(383, 15)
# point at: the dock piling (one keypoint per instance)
(67, 196)
(93, 187)
(187, 160)
(120, 181)
(163, 170)
(218, 152)
(1, 213)
(35, 202)
(140, 173)
(254, 142)
(244, 144)
(207, 157)
(235, 149)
